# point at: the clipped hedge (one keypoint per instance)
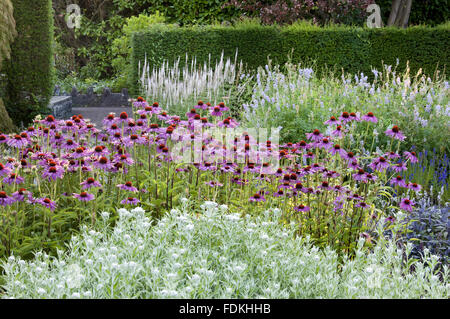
(352, 49)
(30, 69)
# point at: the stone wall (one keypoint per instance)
(61, 106)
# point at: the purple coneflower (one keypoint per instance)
(302, 208)
(4, 170)
(18, 141)
(213, 184)
(395, 133)
(360, 176)
(83, 196)
(362, 205)
(411, 156)
(257, 198)
(336, 149)
(89, 183)
(398, 181)
(13, 179)
(345, 117)
(19, 196)
(53, 173)
(128, 186)
(5, 200)
(414, 186)
(102, 163)
(379, 164)
(47, 202)
(315, 136)
(338, 132)
(407, 204)
(215, 111)
(130, 201)
(332, 121)
(369, 117)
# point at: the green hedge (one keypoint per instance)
(352, 49)
(30, 69)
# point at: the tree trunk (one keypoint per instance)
(400, 12)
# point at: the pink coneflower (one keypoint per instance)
(279, 193)
(392, 155)
(102, 163)
(140, 102)
(128, 186)
(163, 116)
(379, 164)
(222, 107)
(17, 141)
(191, 114)
(332, 121)
(5, 200)
(398, 181)
(215, 111)
(213, 184)
(325, 144)
(69, 144)
(369, 117)
(349, 156)
(345, 117)
(83, 196)
(49, 120)
(325, 185)
(47, 202)
(315, 136)
(148, 111)
(371, 177)
(360, 176)
(123, 117)
(130, 201)
(309, 155)
(113, 128)
(257, 198)
(4, 170)
(201, 105)
(336, 149)
(362, 205)
(411, 156)
(89, 183)
(390, 219)
(125, 159)
(53, 173)
(21, 194)
(407, 204)
(338, 132)
(109, 120)
(395, 133)
(303, 145)
(354, 117)
(302, 208)
(414, 186)
(13, 179)
(399, 167)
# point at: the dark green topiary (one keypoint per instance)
(30, 69)
(354, 50)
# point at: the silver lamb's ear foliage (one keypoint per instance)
(374, 20)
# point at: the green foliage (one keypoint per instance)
(30, 70)
(353, 50)
(121, 47)
(7, 29)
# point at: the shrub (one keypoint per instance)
(214, 254)
(289, 11)
(30, 70)
(354, 50)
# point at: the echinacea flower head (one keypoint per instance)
(302, 208)
(257, 198)
(398, 181)
(407, 204)
(21, 194)
(18, 141)
(395, 133)
(415, 187)
(47, 202)
(90, 183)
(369, 117)
(333, 120)
(128, 186)
(84, 196)
(13, 178)
(345, 117)
(315, 136)
(411, 156)
(130, 201)
(216, 111)
(5, 200)
(4, 170)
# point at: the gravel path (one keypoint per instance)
(97, 114)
